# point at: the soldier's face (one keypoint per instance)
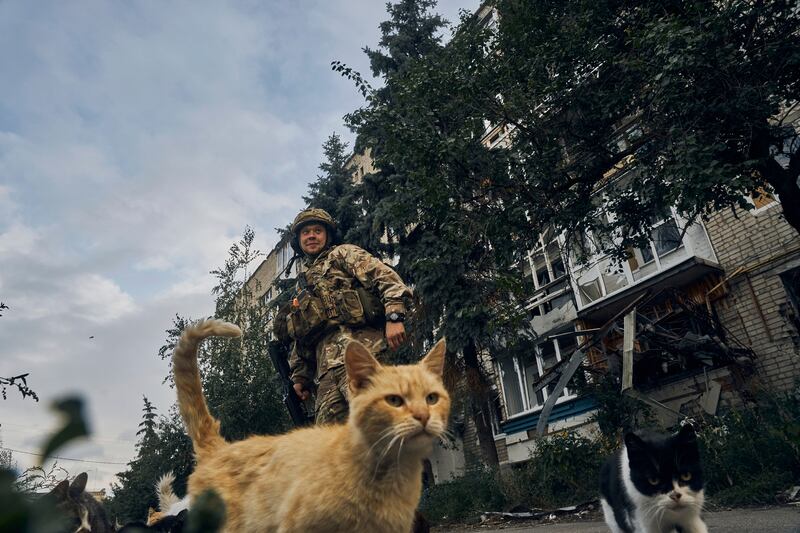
(313, 238)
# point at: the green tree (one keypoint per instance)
(333, 190)
(136, 489)
(147, 427)
(410, 33)
(452, 243)
(239, 383)
(691, 100)
(614, 112)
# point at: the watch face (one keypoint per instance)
(394, 316)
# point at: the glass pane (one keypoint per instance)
(666, 237)
(531, 377)
(580, 247)
(646, 254)
(511, 388)
(613, 277)
(547, 353)
(542, 276)
(557, 264)
(589, 286)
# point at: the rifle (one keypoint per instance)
(279, 355)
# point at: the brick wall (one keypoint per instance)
(754, 302)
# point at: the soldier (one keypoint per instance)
(344, 293)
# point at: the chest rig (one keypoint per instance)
(328, 296)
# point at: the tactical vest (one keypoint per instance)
(319, 306)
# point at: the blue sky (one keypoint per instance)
(137, 140)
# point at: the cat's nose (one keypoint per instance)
(422, 416)
(675, 496)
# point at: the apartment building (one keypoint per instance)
(716, 320)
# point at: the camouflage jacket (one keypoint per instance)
(343, 267)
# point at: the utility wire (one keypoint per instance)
(62, 458)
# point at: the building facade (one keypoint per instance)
(716, 307)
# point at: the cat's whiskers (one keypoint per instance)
(446, 433)
(386, 433)
(383, 455)
(399, 449)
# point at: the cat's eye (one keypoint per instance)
(686, 476)
(394, 400)
(432, 398)
(652, 480)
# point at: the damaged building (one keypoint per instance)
(703, 317)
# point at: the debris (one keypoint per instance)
(792, 493)
(520, 513)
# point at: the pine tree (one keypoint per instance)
(333, 190)
(445, 249)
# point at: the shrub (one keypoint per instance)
(750, 454)
(564, 470)
(460, 498)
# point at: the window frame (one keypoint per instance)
(520, 370)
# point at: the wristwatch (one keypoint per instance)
(395, 317)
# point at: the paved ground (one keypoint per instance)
(772, 520)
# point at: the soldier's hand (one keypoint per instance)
(395, 334)
(300, 391)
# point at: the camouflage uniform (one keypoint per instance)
(339, 268)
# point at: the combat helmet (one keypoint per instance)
(312, 215)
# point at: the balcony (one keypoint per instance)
(552, 306)
(672, 258)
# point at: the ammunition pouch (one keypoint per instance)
(348, 307)
(306, 320)
(374, 312)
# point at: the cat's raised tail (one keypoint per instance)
(201, 426)
(165, 493)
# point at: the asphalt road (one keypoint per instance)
(772, 520)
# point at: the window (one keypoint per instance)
(519, 374)
(266, 297)
(546, 266)
(664, 238)
(509, 375)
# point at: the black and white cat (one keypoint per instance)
(654, 484)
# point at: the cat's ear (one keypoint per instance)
(360, 365)
(434, 361)
(634, 443)
(60, 491)
(78, 485)
(686, 434)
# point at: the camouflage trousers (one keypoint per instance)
(331, 404)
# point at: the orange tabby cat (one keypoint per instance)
(364, 475)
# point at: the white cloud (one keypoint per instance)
(137, 140)
(18, 239)
(98, 299)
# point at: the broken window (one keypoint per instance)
(546, 267)
(665, 237)
(521, 373)
(512, 392)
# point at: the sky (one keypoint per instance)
(137, 141)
